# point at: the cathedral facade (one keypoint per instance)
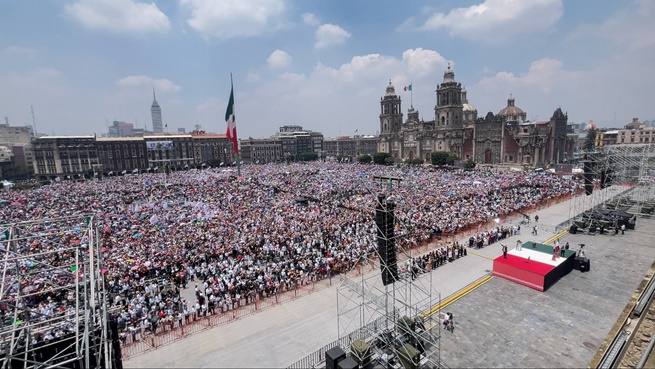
(503, 138)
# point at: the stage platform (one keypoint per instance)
(534, 267)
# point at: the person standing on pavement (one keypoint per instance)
(504, 251)
(536, 218)
(622, 228)
(519, 245)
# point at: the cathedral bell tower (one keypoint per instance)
(449, 109)
(391, 117)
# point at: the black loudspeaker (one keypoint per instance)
(348, 363)
(573, 229)
(588, 174)
(333, 356)
(581, 264)
(384, 220)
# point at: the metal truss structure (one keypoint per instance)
(622, 180)
(52, 296)
(632, 165)
(397, 313)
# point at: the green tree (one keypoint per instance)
(439, 157)
(364, 159)
(451, 159)
(308, 156)
(381, 158)
(469, 164)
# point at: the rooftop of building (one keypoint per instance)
(103, 139)
(61, 137)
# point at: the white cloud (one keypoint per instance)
(316, 99)
(330, 34)
(310, 19)
(212, 103)
(420, 61)
(541, 75)
(252, 77)
(632, 28)
(279, 59)
(497, 20)
(234, 18)
(118, 15)
(18, 51)
(164, 85)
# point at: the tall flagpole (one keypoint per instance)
(411, 95)
(235, 120)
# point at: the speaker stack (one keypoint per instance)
(385, 222)
(333, 356)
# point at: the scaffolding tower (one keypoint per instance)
(52, 296)
(633, 166)
(621, 178)
(390, 305)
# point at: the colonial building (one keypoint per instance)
(453, 116)
(261, 150)
(350, 146)
(212, 146)
(287, 144)
(506, 137)
(64, 155)
(57, 156)
(121, 154)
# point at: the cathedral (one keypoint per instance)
(504, 138)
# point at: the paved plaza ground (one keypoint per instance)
(500, 324)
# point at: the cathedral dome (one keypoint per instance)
(465, 102)
(391, 91)
(512, 112)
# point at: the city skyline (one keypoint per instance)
(321, 65)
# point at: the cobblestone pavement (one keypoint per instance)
(503, 324)
(500, 324)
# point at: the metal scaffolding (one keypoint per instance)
(622, 180)
(389, 314)
(633, 166)
(52, 296)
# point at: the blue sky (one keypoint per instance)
(322, 64)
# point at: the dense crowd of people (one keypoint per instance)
(234, 239)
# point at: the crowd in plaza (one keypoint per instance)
(238, 238)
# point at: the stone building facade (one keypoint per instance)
(503, 138)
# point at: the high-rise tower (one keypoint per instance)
(155, 111)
